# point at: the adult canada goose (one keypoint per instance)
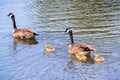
(77, 48)
(23, 33)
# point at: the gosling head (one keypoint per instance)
(10, 15)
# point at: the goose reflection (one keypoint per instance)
(69, 66)
(31, 41)
(26, 41)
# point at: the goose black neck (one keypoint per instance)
(14, 23)
(71, 37)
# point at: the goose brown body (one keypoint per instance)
(23, 32)
(75, 48)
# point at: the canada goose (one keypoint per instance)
(77, 48)
(23, 33)
(49, 48)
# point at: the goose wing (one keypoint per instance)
(31, 31)
(86, 47)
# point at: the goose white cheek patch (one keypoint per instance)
(68, 31)
(11, 15)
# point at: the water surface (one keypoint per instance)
(93, 22)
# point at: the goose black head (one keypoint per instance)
(10, 15)
(67, 30)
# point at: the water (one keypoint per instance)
(93, 22)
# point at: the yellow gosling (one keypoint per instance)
(49, 48)
(98, 59)
(80, 57)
